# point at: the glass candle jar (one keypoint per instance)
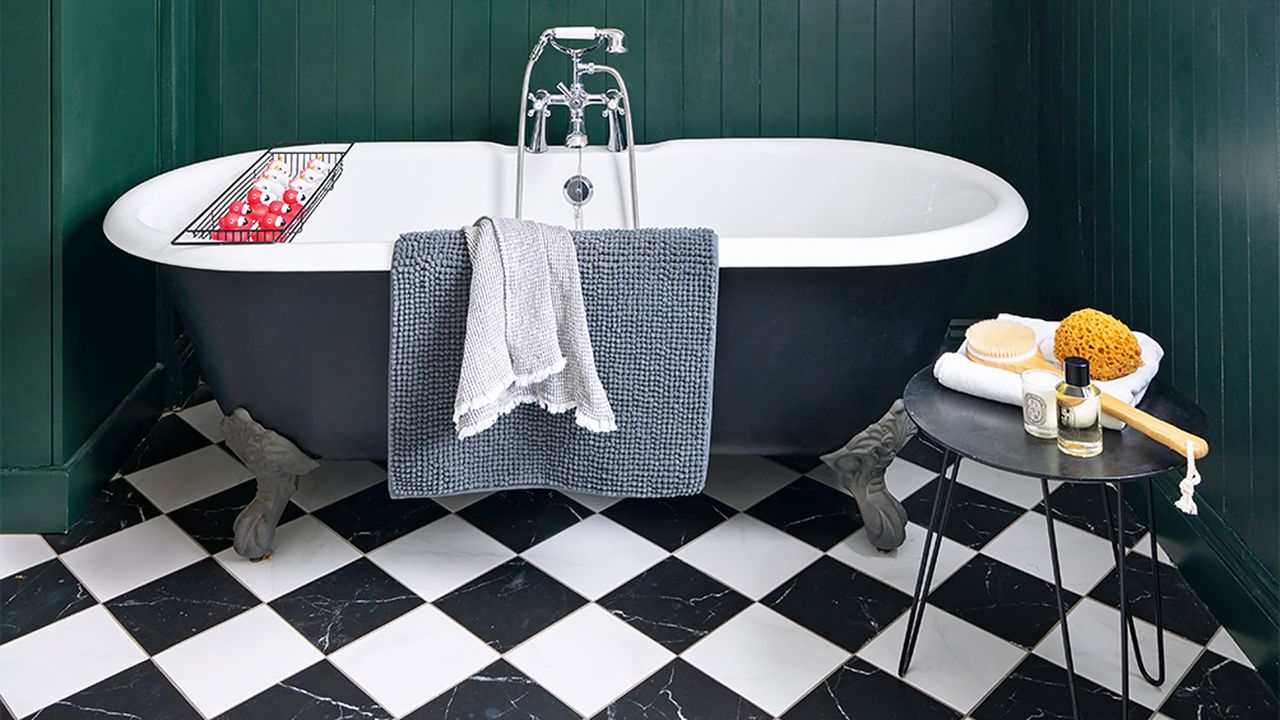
(1039, 403)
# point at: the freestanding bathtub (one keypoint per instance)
(840, 262)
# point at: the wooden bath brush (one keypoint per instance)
(1011, 346)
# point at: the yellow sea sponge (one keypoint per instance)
(1108, 344)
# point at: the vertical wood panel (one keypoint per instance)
(817, 76)
(278, 73)
(1120, 221)
(664, 58)
(392, 70)
(630, 18)
(317, 80)
(702, 69)
(1263, 132)
(855, 69)
(432, 73)
(353, 53)
(240, 91)
(740, 84)
(1140, 161)
(470, 71)
(1181, 339)
(779, 67)
(1161, 214)
(932, 97)
(895, 72)
(508, 52)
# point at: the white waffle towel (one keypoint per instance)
(526, 338)
(956, 371)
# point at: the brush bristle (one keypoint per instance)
(1000, 339)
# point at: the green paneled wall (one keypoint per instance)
(956, 76)
(26, 294)
(80, 123)
(1160, 159)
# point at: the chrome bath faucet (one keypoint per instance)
(615, 104)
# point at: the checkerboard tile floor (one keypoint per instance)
(760, 598)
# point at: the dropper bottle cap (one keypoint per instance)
(1076, 371)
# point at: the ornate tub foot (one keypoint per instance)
(277, 463)
(860, 465)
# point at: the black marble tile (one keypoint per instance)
(681, 691)
(1223, 689)
(670, 522)
(498, 691)
(674, 603)
(117, 506)
(37, 596)
(843, 605)
(807, 509)
(920, 453)
(1002, 600)
(510, 603)
(141, 691)
(975, 516)
(1081, 504)
(371, 518)
(521, 519)
(859, 689)
(320, 692)
(172, 436)
(211, 521)
(171, 609)
(1184, 612)
(1038, 689)
(342, 606)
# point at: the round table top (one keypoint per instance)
(991, 433)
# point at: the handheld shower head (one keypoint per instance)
(615, 40)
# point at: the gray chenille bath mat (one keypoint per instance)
(650, 297)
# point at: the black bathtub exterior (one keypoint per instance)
(805, 357)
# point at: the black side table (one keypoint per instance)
(964, 427)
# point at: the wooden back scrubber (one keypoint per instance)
(1011, 346)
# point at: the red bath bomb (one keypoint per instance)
(232, 221)
(273, 221)
(258, 196)
(240, 207)
(282, 208)
(296, 198)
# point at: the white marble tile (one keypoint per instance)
(1020, 490)
(595, 502)
(766, 658)
(899, 568)
(589, 658)
(19, 552)
(412, 659)
(1084, 557)
(594, 556)
(748, 555)
(190, 477)
(132, 557)
(1223, 644)
(441, 556)
(954, 661)
(206, 418)
(305, 549)
(741, 481)
(454, 503)
(1095, 646)
(333, 481)
(63, 658)
(237, 659)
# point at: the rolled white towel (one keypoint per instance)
(958, 372)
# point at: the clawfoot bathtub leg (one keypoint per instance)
(860, 465)
(277, 463)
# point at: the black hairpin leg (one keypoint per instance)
(1062, 607)
(1115, 531)
(929, 555)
